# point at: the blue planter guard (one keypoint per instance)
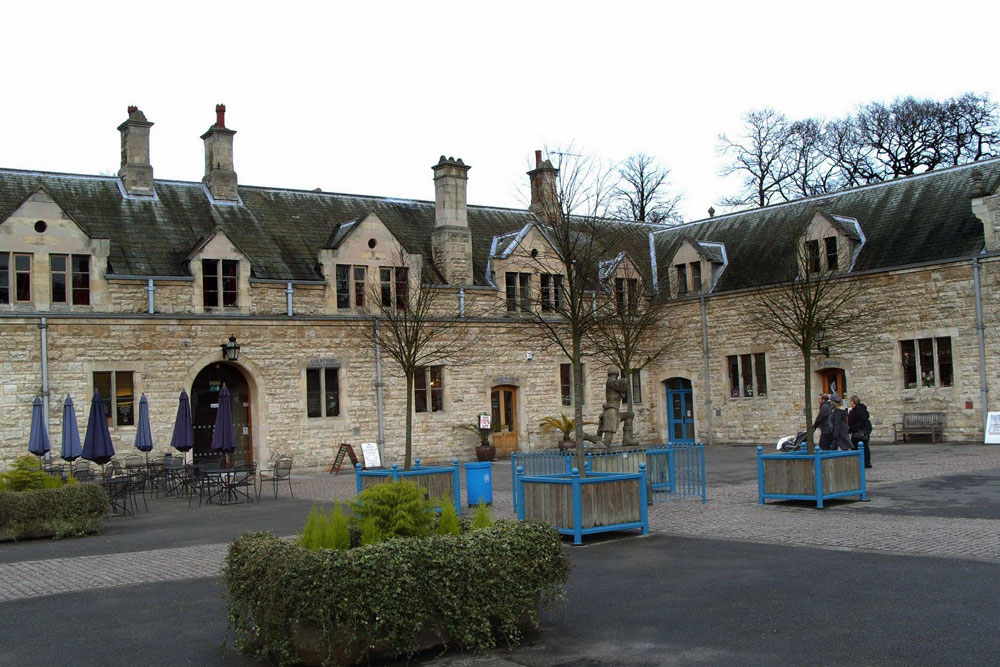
(414, 475)
(818, 456)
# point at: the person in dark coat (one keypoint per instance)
(860, 424)
(840, 437)
(823, 422)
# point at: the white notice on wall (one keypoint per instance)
(993, 428)
(369, 450)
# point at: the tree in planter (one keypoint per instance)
(572, 205)
(812, 309)
(418, 326)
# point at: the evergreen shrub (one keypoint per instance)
(289, 604)
(74, 509)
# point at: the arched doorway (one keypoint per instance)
(680, 410)
(503, 405)
(205, 404)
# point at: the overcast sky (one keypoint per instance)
(363, 97)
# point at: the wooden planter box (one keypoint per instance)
(818, 476)
(577, 506)
(442, 482)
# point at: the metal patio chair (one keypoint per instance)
(282, 471)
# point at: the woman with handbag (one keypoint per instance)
(859, 422)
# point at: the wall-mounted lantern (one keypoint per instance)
(231, 350)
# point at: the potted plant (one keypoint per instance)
(563, 424)
(485, 451)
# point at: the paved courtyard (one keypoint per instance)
(940, 503)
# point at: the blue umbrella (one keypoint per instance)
(183, 438)
(71, 448)
(223, 435)
(143, 436)
(97, 445)
(38, 439)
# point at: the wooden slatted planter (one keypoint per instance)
(441, 482)
(579, 506)
(818, 476)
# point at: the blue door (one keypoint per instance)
(680, 410)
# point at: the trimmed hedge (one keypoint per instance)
(291, 604)
(74, 509)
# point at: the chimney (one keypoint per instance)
(451, 242)
(136, 172)
(544, 199)
(219, 175)
(449, 193)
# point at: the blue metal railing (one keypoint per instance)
(673, 471)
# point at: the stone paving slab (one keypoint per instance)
(732, 513)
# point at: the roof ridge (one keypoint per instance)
(836, 193)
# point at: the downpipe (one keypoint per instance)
(708, 375)
(981, 335)
(378, 392)
(43, 326)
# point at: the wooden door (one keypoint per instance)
(834, 380)
(503, 401)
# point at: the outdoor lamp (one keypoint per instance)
(820, 335)
(231, 350)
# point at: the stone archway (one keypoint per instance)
(204, 405)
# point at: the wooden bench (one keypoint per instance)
(919, 423)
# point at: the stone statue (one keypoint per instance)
(615, 390)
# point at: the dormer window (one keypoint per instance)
(812, 256)
(831, 252)
(70, 279)
(695, 277)
(552, 292)
(394, 281)
(518, 291)
(626, 295)
(15, 271)
(220, 278)
(351, 285)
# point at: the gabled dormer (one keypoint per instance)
(221, 273)
(696, 267)
(362, 259)
(621, 279)
(527, 271)
(829, 244)
(48, 261)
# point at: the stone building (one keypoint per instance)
(130, 285)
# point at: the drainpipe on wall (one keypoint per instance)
(149, 295)
(288, 298)
(981, 335)
(43, 326)
(708, 377)
(378, 392)
(461, 302)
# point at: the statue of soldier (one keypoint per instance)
(615, 390)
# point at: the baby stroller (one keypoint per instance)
(791, 444)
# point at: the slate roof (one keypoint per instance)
(916, 219)
(281, 230)
(922, 218)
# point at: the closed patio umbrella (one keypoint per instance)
(71, 448)
(223, 435)
(38, 438)
(143, 435)
(183, 437)
(97, 445)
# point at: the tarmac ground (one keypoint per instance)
(910, 578)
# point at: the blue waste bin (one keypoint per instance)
(479, 483)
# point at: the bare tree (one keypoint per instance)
(418, 326)
(817, 307)
(642, 192)
(632, 330)
(764, 155)
(574, 220)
